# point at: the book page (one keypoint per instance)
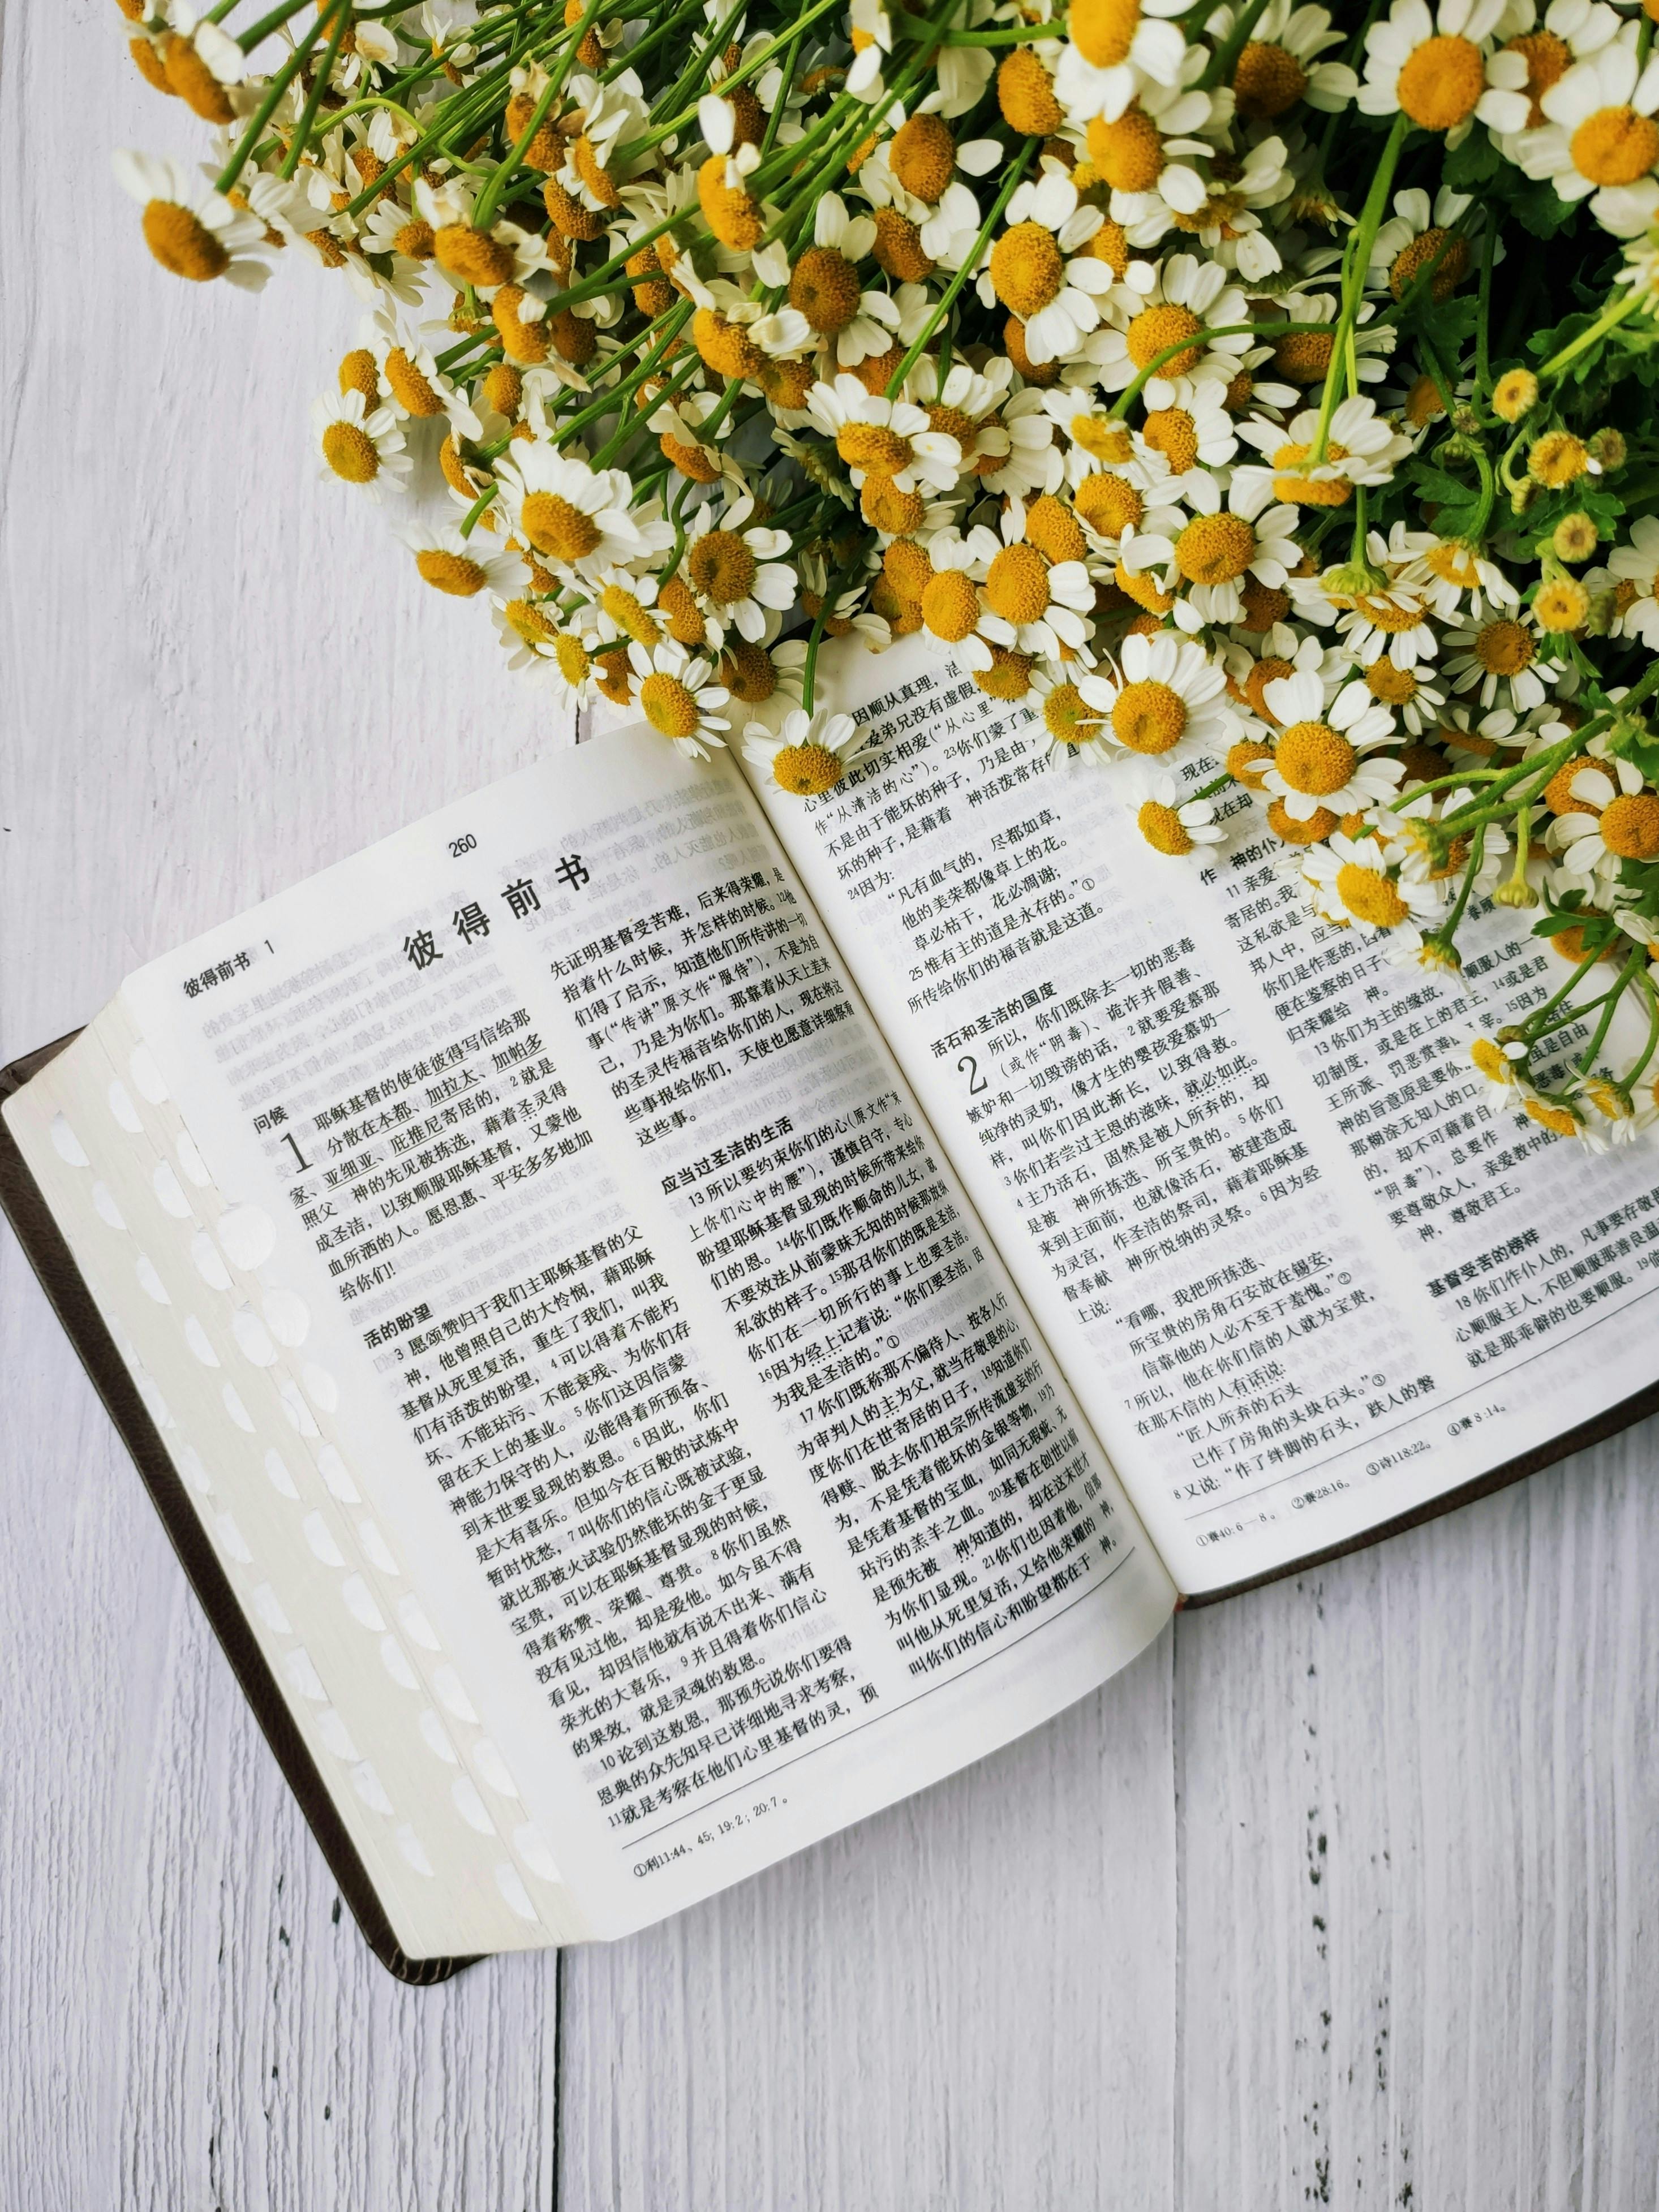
(732, 1475)
(1300, 1277)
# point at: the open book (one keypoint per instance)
(662, 1321)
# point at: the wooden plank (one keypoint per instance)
(966, 2001)
(215, 675)
(1419, 1899)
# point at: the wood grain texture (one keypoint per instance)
(1347, 1892)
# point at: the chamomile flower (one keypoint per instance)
(1498, 660)
(1179, 826)
(361, 445)
(1325, 757)
(825, 289)
(1057, 299)
(1415, 695)
(1636, 565)
(1615, 819)
(1352, 883)
(1434, 67)
(1600, 136)
(915, 172)
(1214, 554)
(1421, 234)
(1147, 155)
(1006, 438)
(462, 567)
(808, 755)
(1165, 700)
(1457, 579)
(1195, 431)
(1071, 725)
(573, 516)
(731, 565)
(890, 437)
(1279, 65)
(1360, 449)
(1156, 309)
(191, 231)
(870, 30)
(1536, 57)
(1114, 49)
(1039, 604)
(679, 696)
(952, 612)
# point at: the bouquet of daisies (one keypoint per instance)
(1259, 390)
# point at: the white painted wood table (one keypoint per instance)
(1347, 1892)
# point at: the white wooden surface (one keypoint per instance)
(1347, 1893)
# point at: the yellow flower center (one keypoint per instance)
(1314, 759)
(630, 615)
(1017, 585)
(1285, 827)
(1559, 1121)
(1246, 763)
(1267, 81)
(1065, 717)
(1454, 564)
(1560, 606)
(503, 389)
(668, 706)
(593, 173)
(726, 346)
(1162, 828)
(823, 286)
(1558, 458)
(1110, 244)
(195, 83)
(1548, 59)
(897, 248)
(1149, 717)
(1440, 81)
(1408, 265)
(532, 625)
(1296, 489)
(1129, 153)
(1630, 826)
(1052, 529)
(922, 155)
(747, 672)
(1026, 269)
(721, 567)
(807, 770)
(571, 655)
(1504, 648)
(1387, 614)
(1143, 589)
(872, 446)
(415, 241)
(1109, 504)
(350, 452)
(1009, 676)
(358, 372)
(950, 605)
(409, 388)
(1269, 670)
(1214, 549)
(1304, 356)
(1106, 441)
(885, 507)
(1264, 605)
(1369, 896)
(1615, 146)
(907, 567)
(553, 525)
(451, 572)
(1102, 31)
(1395, 686)
(731, 214)
(1026, 94)
(1493, 1062)
(184, 245)
(472, 255)
(1171, 431)
(681, 612)
(1154, 329)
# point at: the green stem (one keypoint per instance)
(470, 519)
(248, 39)
(231, 173)
(1637, 959)
(341, 14)
(1224, 59)
(1357, 261)
(1626, 304)
(832, 592)
(489, 199)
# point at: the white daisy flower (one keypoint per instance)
(1213, 554)
(1032, 603)
(809, 754)
(1165, 700)
(193, 232)
(1146, 155)
(823, 286)
(1114, 52)
(1304, 355)
(1448, 573)
(1637, 564)
(1418, 236)
(1404, 834)
(1057, 299)
(1324, 756)
(1361, 449)
(1194, 432)
(1602, 136)
(1071, 725)
(359, 444)
(1498, 660)
(1156, 308)
(572, 515)
(1351, 882)
(1434, 67)
(1414, 695)
(679, 696)
(1281, 66)
(1180, 827)
(1615, 819)
(952, 612)
(870, 30)
(916, 173)
(462, 567)
(887, 437)
(732, 566)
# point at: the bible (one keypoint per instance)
(663, 1316)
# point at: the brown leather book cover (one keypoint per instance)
(60, 1279)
